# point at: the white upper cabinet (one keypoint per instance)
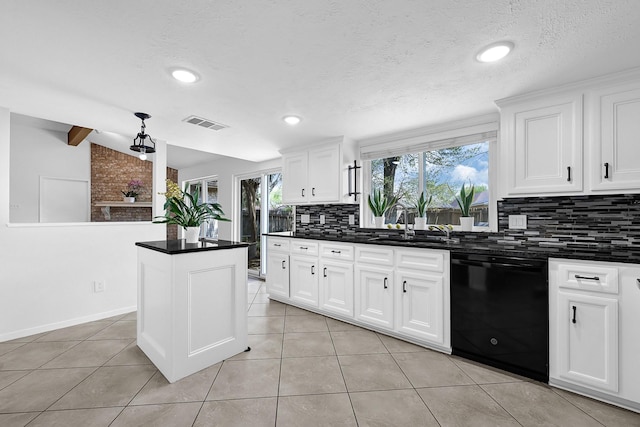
(542, 142)
(613, 135)
(319, 174)
(546, 148)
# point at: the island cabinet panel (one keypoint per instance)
(192, 308)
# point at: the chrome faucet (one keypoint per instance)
(446, 229)
(407, 235)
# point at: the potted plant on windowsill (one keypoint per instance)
(465, 200)
(379, 205)
(187, 211)
(134, 188)
(421, 205)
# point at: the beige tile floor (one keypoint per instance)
(303, 370)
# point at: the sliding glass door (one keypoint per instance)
(262, 211)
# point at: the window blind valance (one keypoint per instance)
(428, 141)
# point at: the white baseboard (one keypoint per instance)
(64, 324)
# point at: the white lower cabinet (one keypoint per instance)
(594, 310)
(304, 280)
(419, 308)
(336, 287)
(374, 295)
(588, 340)
(403, 292)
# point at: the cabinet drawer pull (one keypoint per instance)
(385, 283)
(304, 247)
(336, 252)
(596, 278)
(324, 272)
(606, 170)
(312, 270)
(569, 173)
(283, 266)
(574, 314)
(313, 191)
(404, 286)
(277, 244)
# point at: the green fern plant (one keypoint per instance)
(379, 204)
(465, 199)
(186, 210)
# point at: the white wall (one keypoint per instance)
(226, 170)
(37, 152)
(47, 270)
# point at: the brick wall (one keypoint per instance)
(111, 171)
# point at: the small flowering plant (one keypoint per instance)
(134, 187)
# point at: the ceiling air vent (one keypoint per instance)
(205, 123)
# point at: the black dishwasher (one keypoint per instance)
(500, 312)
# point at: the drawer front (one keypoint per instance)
(588, 277)
(374, 255)
(304, 247)
(278, 245)
(337, 251)
(420, 259)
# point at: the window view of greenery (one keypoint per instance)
(443, 173)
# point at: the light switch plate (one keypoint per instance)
(305, 219)
(352, 219)
(322, 219)
(518, 222)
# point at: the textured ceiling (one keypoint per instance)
(358, 68)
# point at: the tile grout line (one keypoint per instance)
(353, 410)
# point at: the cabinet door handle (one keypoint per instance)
(303, 192)
(596, 278)
(313, 270)
(336, 252)
(569, 173)
(324, 272)
(313, 191)
(404, 286)
(574, 314)
(283, 265)
(606, 170)
(385, 283)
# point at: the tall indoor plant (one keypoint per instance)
(465, 200)
(379, 205)
(186, 210)
(421, 206)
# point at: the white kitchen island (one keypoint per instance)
(192, 304)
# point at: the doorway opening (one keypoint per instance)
(262, 211)
(207, 189)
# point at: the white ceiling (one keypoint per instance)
(359, 68)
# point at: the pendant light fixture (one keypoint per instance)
(140, 141)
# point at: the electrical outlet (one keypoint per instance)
(98, 286)
(518, 222)
(305, 218)
(322, 219)
(352, 219)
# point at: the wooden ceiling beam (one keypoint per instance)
(77, 134)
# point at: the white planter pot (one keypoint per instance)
(378, 221)
(420, 223)
(466, 223)
(192, 234)
(129, 199)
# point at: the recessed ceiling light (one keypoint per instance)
(494, 52)
(292, 120)
(184, 76)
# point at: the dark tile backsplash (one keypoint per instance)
(555, 225)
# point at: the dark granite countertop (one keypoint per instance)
(485, 243)
(174, 247)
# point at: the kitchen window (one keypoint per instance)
(437, 167)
